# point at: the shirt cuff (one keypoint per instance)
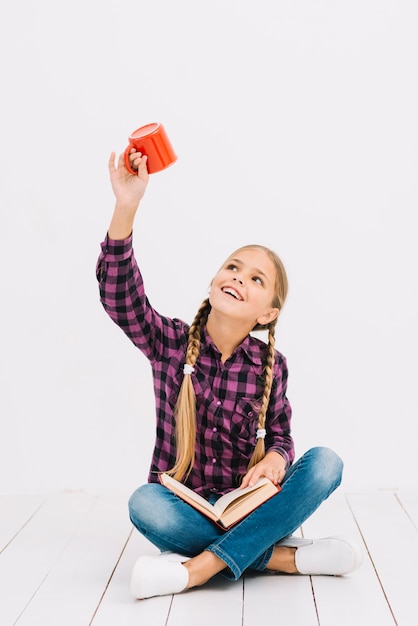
(116, 250)
(282, 453)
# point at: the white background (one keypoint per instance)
(295, 123)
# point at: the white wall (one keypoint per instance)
(295, 124)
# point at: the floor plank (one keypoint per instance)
(359, 594)
(117, 607)
(218, 602)
(287, 599)
(392, 541)
(15, 512)
(293, 594)
(76, 583)
(409, 501)
(29, 558)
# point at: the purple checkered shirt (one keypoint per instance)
(228, 395)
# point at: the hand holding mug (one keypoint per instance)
(152, 141)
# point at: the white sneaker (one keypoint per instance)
(292, 541)
(174, 556)
(332, 556)
(158, 576)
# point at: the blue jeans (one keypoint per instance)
(171, 524)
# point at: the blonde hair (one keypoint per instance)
(185, 410)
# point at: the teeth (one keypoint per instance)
(232, 292)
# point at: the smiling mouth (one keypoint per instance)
(233, 293)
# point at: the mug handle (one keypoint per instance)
(127, 161)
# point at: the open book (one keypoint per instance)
(229, 508)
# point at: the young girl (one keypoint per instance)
(223, 418)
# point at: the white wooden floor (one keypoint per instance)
(65, 559)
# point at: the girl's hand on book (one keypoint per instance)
(273, 467)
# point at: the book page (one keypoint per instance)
(188, 493)
(243, 506)
(237, 495)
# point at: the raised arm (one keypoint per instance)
(129, 190)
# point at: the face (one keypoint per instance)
(244, 287)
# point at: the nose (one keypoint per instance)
(239, 280)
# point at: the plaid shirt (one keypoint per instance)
(228, 395)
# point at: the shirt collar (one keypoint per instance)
(250, 347)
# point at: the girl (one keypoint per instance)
(223, 418)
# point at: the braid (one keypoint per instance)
(260, 450)
(185, 410)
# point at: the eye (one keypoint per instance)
(232, 267)
(258, 280)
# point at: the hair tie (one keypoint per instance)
(261, 433)
(188, 369)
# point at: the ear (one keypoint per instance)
(268, 317)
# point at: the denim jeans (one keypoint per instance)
(171, 524)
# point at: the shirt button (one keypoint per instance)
(214, 429)
(250, 414)
(213, 460)
(218, 403)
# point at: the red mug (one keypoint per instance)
(151, 140)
